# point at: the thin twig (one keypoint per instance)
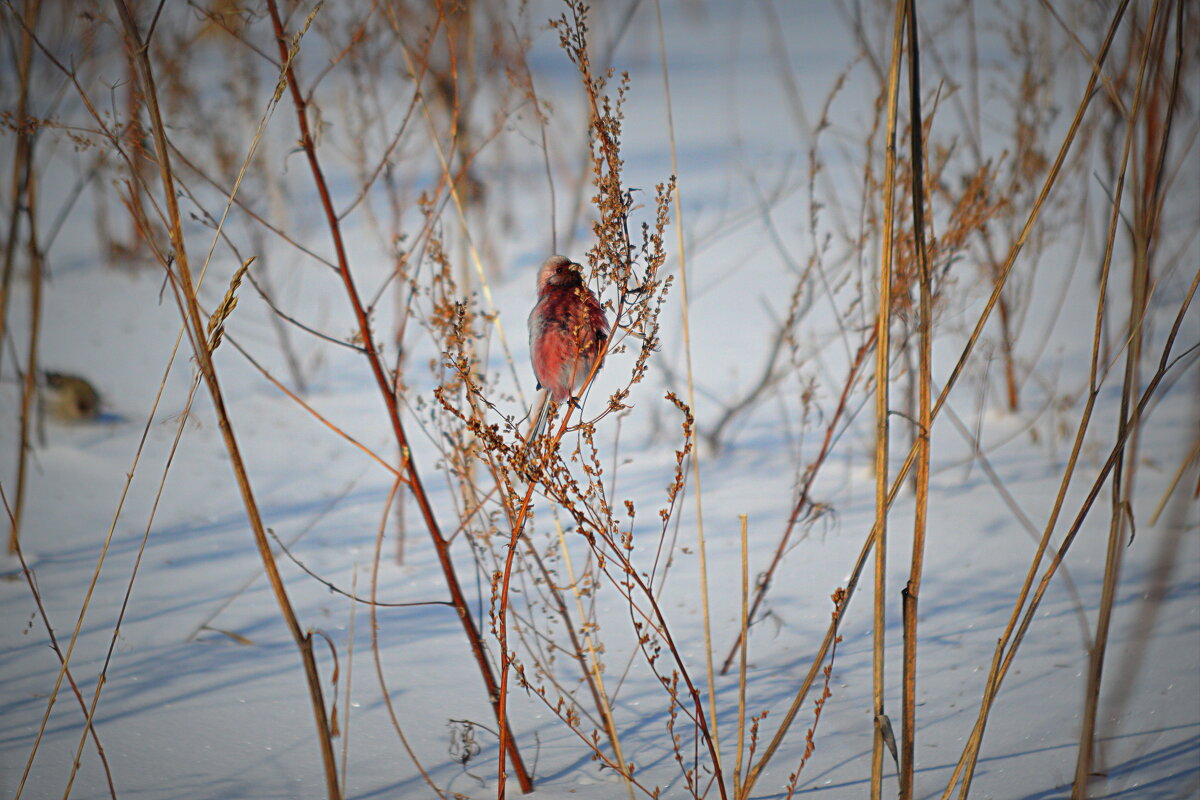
(697, 493)
(911, 592)
(185, 291)
(882, 380)
(386, 390)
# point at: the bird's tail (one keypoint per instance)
(541, 417)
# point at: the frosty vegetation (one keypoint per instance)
(888, 484)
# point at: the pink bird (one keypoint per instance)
(567, 330)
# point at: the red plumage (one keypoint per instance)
(567, 330)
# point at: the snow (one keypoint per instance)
(204, 695)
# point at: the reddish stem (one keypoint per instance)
(441, 545)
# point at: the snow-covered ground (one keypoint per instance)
(204, 694)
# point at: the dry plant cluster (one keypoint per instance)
(394, 124)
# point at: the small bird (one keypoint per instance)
(567, 331)
(71, 398)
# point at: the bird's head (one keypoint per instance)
(559, 271)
